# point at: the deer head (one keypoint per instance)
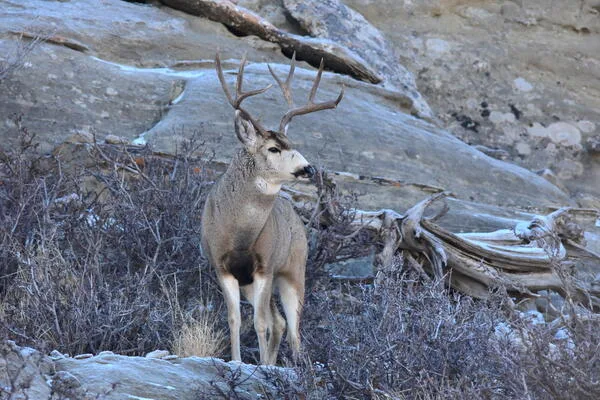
(272, 152)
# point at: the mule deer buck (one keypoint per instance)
(252, 237)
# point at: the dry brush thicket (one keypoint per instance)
(103, 254)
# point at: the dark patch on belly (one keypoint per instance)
(242, 264)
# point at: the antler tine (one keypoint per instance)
(285, 87)
(311, 106)
(222, 80)
(240, 95)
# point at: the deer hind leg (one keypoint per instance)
(292, 299)
(277, 330)
(231, 293)
(275, 325)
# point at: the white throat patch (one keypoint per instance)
(267, 188)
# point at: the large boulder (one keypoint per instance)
(26, 373)
(82, 80)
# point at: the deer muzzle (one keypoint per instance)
(305, 172)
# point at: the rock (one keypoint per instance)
(408, 150)
(335, 21)
(359, 268)
(24, 372)
(68, 386)
(148, 36)
(438, 47)
(158, 354)
(80, 89)
(498, 117)
(522, 41)
(55, 355)
(114, 139)
(522, 85)
(523, 148)
(561, 133)
(119, 377)
(593, 144)
(80, 137)
(586, 126)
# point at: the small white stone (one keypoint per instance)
(537, 130)
(561, 133)
(586, 126)
(522, 85)
(437, 47)
(368, 154)
(139, 141)
(497, 117)
(523, 148)
(472, 104)
(564, 134)
(158, 354)
(114, 139)
(111, 91)
(57, 355)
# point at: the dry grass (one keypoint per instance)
(201, 337)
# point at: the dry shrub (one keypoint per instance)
(402, 338)
(81, 275)
(14, 60)
(201, 337)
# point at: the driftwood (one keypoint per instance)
(532, 256)
(240, 20)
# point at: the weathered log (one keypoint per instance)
(242, 21)
(526, 259)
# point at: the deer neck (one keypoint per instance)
(248, 197)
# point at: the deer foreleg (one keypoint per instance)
(231, 293)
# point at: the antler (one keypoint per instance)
(239, 94)
(311, 106)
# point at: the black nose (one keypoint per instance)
(309, 171)
(306, 172)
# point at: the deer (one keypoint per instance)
(251, 236)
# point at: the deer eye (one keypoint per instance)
(274, 150)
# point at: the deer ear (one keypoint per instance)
(245, 131)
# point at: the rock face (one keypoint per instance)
(27, 373)
(158, 91)
(521, 76)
